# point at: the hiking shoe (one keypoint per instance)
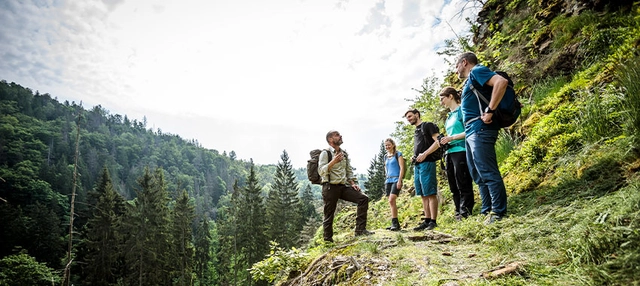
(364, 232)
(328, 240)
(493, 217)
(395, 225)
(431, 225)
(422, 226)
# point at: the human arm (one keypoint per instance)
(447, 139)
(422, 156)
(402, 170)
(499, 85)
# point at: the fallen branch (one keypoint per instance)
(513, 267)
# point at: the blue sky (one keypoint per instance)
(236, 75)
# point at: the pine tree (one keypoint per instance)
(183, 215)
(284, 210)
(252, 240)
(375, 184)
(308, 202)
(228, 253)
(103, 258)
(149, 242)
(203, 248)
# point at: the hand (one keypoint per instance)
(486, 117)
(355, 187)
(338, 157)
(421, 157)
(445, 140)
(399, 185)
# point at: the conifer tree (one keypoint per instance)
(284, 210)
(183, 215)
(149, 242)
(228, 253)
(308, 204)
(252, 241)
(203, 248)
(375, 183)
(103, 255)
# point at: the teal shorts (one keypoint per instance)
(425, 179)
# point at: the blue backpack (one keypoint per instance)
(509, 108)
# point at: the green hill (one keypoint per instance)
(570, 165)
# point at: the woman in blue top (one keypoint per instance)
(456, 159)
(394, 170)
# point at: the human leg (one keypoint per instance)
(351, 195)
(330, 198)
(451, 179)
(463, 183)
(473, 150)
(487, 166)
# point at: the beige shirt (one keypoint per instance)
(341, 172)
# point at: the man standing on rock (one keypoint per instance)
(338, 182)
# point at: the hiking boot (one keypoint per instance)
(493, 217)
(395, 225)
(422, 226)
(364, 232)
(431, 225)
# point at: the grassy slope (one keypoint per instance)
(574, 198)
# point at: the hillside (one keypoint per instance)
(570, 165)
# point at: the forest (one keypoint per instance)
(146, 207)
(92, 198)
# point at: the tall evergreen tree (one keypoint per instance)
(252, 240)
(203, 248)
(103, 254)
(284, 210)
(183, 215)
(149, 243)
(228, 253)
(308, 204)
(375, 184)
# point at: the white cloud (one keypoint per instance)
(235, 75)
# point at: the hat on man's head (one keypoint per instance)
(412, 110)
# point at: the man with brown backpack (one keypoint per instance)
(339, 182)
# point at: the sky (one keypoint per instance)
(249, 76)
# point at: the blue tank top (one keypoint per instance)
(393, 168)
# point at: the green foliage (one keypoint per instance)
(279, 264)
(629, 79)
(374, 186)
(22, 269)
(284, 209)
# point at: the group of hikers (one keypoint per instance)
(469, 155)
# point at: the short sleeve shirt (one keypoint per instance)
(471, 105)
(423, 139)
(454, 126)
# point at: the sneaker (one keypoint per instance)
(493, 217)
(431, 225)
(422, 226)
(364, 232)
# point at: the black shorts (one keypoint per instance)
(392, 188)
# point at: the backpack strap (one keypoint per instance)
(329, 158)
(478, 97)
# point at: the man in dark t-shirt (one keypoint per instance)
(425, 181)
